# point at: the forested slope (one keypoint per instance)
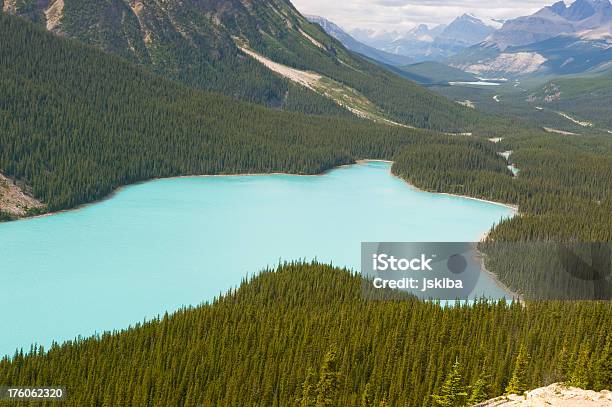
(563, 191)
(77, 123)
(194, 42)
(586, 98)
(306, 331)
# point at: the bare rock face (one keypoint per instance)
(555, 395)
(13, 200)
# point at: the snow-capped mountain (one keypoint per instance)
(425, 43)
(558, 39)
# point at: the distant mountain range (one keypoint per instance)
(558, 39)
(555, 40)
(424, 43)
(357, 46)
(552, 21)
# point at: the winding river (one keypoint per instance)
(157, 246)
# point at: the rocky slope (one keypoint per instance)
(14, 202)
(555, 395)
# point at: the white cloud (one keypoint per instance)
(400, 15)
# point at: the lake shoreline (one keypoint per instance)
(480, 256)
(133, 184)
(117, 190)
(514, 208)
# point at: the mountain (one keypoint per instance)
(561, 55)
(585, 100)
(465, 30)
(356, 46)
(424, 43)
(556, 40)
(261, 51)
(553, 21)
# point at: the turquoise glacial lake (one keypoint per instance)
(157, 246)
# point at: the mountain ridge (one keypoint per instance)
(424, 43)
(556, 40)
(552, 21)
(193, 42)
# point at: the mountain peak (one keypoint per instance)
(469, 17)
(558, 8)
(579, 10)
(582, 9)
(467, 29)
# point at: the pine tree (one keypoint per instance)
(367, 398)
(479, 392)
(603, 368)
(561, 366)
(452, 393)
(309, 390)
(329, 380)
(581, 373)
(518, 382)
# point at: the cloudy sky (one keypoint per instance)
(400, 15)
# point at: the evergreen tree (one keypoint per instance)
(367, 398)
(383, 402)
(309, 390)
(518, 381)
(581, 373)
(452, 392)
(603, 368)
(329, 380)
(479, 391)
(561, 366)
